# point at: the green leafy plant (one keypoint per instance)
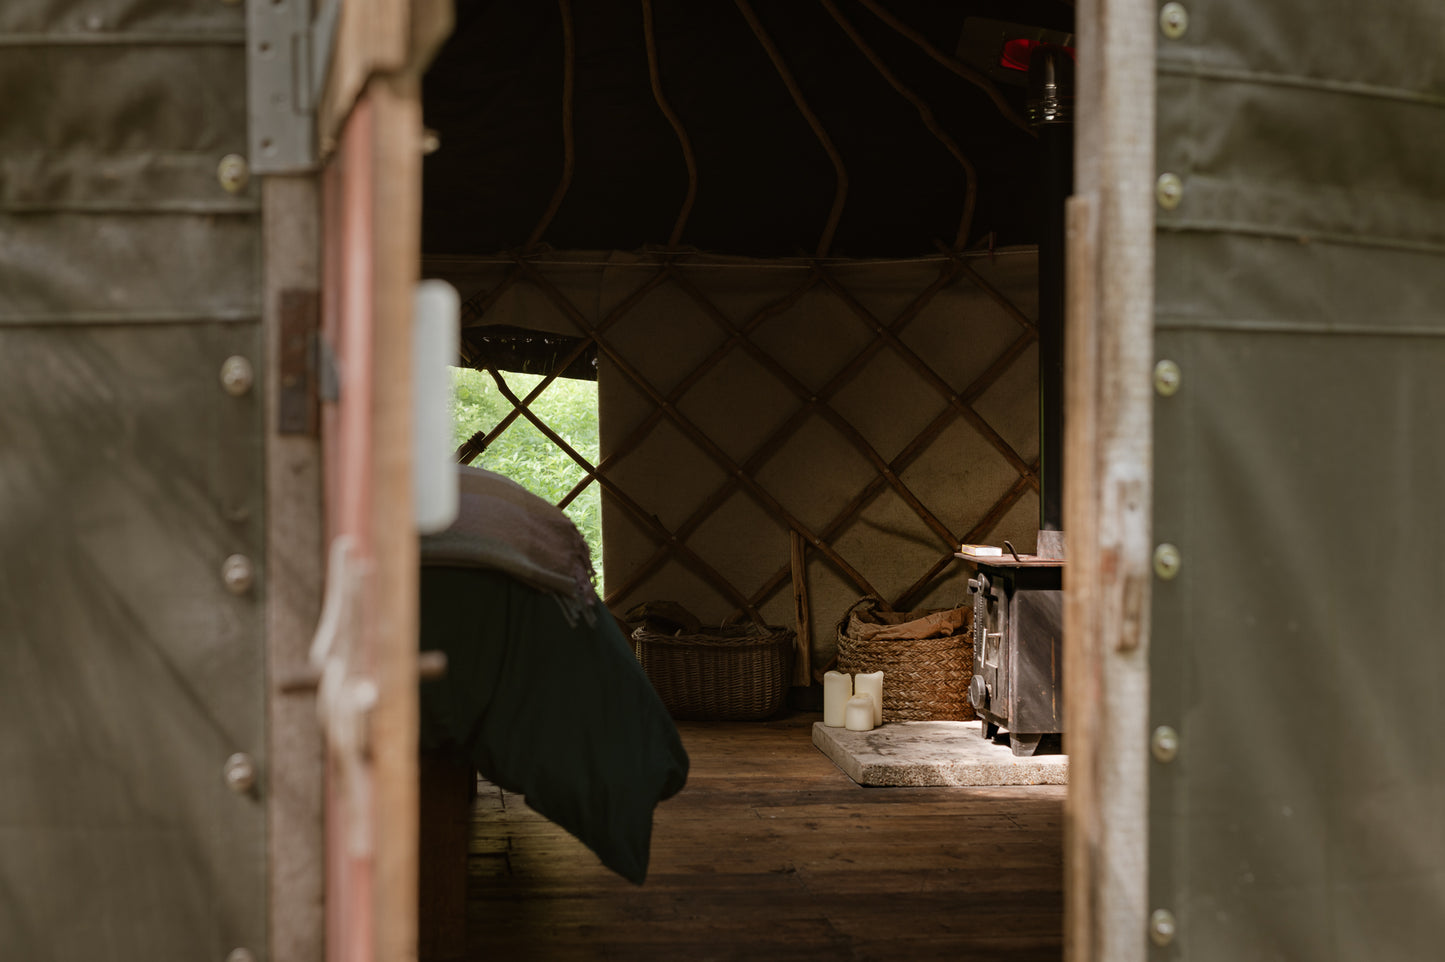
(525, 454)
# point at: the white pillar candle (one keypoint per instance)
(859, 714)
(871, 683)
(837, 689)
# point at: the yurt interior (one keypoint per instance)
(804, 252)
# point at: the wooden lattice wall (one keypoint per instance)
(771, 425)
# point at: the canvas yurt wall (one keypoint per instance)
(862, 416)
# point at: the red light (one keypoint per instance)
(1018, 52)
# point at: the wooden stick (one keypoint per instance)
(802, 613)
(655, 75)
(840, 173)
(925, 114)
(569, 145)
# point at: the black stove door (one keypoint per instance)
(988, 690)
(1036, 701)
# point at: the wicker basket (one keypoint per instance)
(719, 674)
(926, 658)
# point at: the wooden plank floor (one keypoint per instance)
(772, 853)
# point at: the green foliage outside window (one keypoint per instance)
(526, 455)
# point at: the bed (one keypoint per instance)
(542, 693)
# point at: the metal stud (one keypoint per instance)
(1173, 20)
(431, 142)
(236, 375)
(240, 773)
(1169, 190)
(233, 173)
(241, 955)
(1166, 561)
(1162, 927)
(238, 573)
(1164, 744)
(1166, 378)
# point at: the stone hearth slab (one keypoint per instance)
(933, 753)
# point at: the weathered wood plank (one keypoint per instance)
(395, 193)
(290, 217)
(1108, 480)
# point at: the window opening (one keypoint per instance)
(541, 435)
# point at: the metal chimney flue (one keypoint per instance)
(1050, 109)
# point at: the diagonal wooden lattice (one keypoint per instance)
(672, 543)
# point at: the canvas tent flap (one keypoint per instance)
(129, 673)
(1298, 468)
(72, 19)
(99, 117)
(113, 118)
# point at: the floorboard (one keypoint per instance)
(772, 853)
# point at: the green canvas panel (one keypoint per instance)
(1300, 287)
(82, 18)
(70, 135)
(67, 268)
(128, 673)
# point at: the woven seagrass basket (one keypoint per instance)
(719, 674)
(926, 658)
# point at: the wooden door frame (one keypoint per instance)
(294, 561)
(371, 116)
(1108, 485)
(381, 49)
(380, 256)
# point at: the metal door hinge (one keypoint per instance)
(298, 362)
(288, 54)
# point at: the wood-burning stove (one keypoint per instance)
(1017, 655)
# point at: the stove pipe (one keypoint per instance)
(1051, 113)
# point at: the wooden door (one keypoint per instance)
(371, 192)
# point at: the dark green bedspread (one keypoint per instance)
(560, 713)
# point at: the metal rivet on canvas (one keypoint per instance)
(233, 173)
(1173, 20)
(1162, 927)
(237, 375)
(238, 574)
(1166, 378)
(1164, 744)
(240, 773)
(1166, 561)
(1169, 190)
